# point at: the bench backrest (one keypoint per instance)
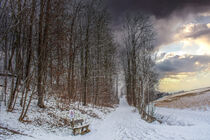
(76, 122)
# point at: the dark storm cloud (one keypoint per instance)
(196, 31)
(166, 15)
(177, 64)
(199, 33)
(158, 8)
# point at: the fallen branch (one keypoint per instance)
(10, 75)
(14, 132)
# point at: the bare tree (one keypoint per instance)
(139, 65)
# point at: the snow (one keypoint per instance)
(49, 121)
(125, 124)
(191, 92)
(198, 99)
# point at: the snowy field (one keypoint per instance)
(198, 99)
(124, 123)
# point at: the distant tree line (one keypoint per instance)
(62, 48)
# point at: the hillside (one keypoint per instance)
(194, 99)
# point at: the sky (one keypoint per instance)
(182, 40)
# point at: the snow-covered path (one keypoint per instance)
(122, 124)
(125, 124)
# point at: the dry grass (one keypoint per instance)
(193, 100)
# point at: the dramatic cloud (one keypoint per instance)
(167, 15)
(176, 28)
(198, 30)
(200, 33)
(192, 30)
(173, 65)
(158, 8)
(167, 28)
(183, 72)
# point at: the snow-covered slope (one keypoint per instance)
(125, 124)
(53, 120)
(194, 99)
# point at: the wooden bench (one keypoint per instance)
(82, 129)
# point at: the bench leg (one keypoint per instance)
(76, 131)
(85, 131)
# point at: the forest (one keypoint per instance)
(67, 49)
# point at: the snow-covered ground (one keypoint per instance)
(53, 120)
(125, 124)
(198, 99)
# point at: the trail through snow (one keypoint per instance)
(125, 124)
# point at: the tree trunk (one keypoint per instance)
(40, 57)
(42, 52)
